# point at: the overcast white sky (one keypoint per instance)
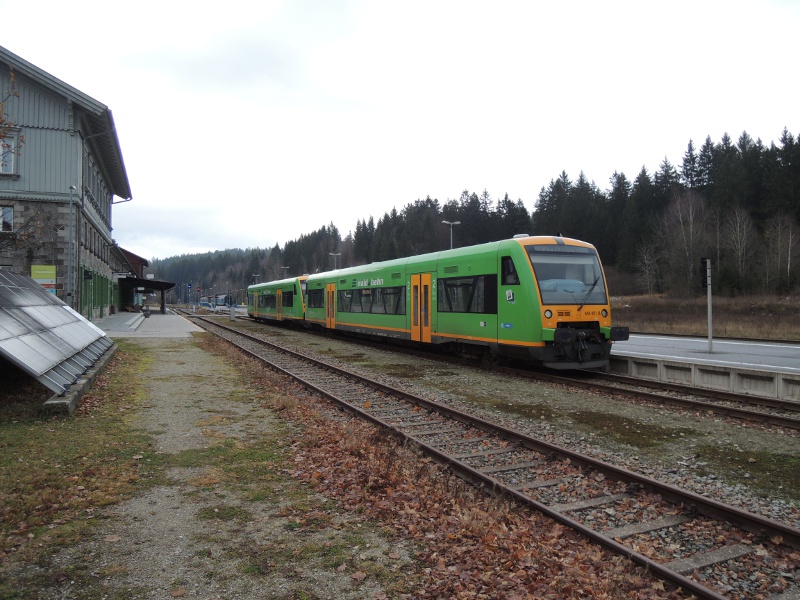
(249, 123)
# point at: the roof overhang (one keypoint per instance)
(102, 133)
(147, 284)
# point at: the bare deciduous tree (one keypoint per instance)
(9, 144)
(781, 241)
(739, 237)
(646, 265)
(681, 237)
(29, 230)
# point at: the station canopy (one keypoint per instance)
(43, 336)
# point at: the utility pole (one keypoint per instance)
(705, 274)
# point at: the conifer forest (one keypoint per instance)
(736, 203)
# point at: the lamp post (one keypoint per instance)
(285, 271)
(451, 223)
(335, 255)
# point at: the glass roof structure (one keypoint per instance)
(43, 336)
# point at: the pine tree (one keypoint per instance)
(690, 169)
(705, 166)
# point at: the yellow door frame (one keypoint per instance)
(330, 305)
(421, 300)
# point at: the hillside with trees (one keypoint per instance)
(737, 203)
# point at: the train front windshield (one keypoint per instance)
(567, 274)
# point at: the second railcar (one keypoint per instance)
(282, 300)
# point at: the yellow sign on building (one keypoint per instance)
(45, 275)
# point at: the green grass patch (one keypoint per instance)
(530, 410)
(628, 431)
(769, 474)
(224, 512)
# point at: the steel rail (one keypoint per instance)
(729, 411)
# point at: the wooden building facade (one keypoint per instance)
(61, 173)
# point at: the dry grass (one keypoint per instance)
(55, 472)
(749, 317)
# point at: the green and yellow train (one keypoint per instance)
(538, 298)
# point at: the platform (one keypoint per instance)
(170, 325)
(769, 370)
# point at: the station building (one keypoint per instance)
(61, 174)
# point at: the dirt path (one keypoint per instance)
(197, 533)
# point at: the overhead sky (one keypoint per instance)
(246, 124)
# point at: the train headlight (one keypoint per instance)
(548, 314)
(604, 313)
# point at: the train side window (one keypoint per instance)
(287, 299)
(468, 294)
(378, 301)
(316, 298)
(356, 301)
(509, 271)
(394, 300)
(344, 301)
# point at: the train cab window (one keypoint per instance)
(509, 271)
(568, 275)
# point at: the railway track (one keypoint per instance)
(748, 408)
(648, 521)
(783, 413)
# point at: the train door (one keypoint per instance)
(421, 294)
(330, 305)
(278, 303)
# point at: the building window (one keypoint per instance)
(7, 218)
(9, 148)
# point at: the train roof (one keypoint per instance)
(522, 240)
(286, 281)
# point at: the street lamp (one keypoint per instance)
(335, 255)
(451, 223)
(285, 271)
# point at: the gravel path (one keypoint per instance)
(163, 544)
